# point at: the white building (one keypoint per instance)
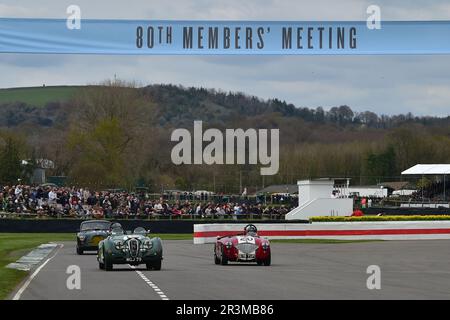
(316, 198)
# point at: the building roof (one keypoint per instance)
(280, 188)
(428, 169)
(395, 185)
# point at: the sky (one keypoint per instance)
(382, 84)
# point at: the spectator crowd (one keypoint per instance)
(83, 203)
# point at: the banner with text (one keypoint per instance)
(147, 37)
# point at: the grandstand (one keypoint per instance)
(432, 193)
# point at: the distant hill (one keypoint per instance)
(37, 96)
(314, 142)
(178, 106)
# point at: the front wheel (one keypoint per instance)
(155, 265)
(267, 262)
(107, 262)
(223, 258)
(79, 250)
(216, 259)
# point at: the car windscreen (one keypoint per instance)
(117, 231)
(97, 225)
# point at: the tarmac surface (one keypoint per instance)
(409, 270)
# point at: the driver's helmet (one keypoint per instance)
(250, 230)
(116, 228)
(140, 230)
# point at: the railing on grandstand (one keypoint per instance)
(250, 216)
(265, 199)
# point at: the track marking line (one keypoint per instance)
(27, 283)
(157, 290)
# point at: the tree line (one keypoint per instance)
(118, 135)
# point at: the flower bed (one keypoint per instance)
(381, 218)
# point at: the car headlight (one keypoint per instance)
(228, 245)
(265, 246)
(81, 237)
(147, 245)
(118, 244)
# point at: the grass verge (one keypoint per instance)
(12, 247)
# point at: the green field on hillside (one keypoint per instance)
(37, 96)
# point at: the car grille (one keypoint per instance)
(133, 247)
(96, 239)
(247, 247)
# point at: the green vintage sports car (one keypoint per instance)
(91, 233)
(132, 248)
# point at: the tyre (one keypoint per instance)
(259, 262)
(108, 263)
(101, 265)
(216, 259)
(157, 265)
(267, 262)
(223, 258)
(148, 266)
(79, 250)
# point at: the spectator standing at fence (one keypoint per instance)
(85, 194)
(198, 210)
(236, 211)
(18, 191)
(257, 210)
(220, 211)
(158, 207)
(52, 196)
(363, 203)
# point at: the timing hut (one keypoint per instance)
(316, 198)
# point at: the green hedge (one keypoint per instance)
(381, 218)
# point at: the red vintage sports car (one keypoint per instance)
(246, 247)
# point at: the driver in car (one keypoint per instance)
(251, 230)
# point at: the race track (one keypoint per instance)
(409, 270)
